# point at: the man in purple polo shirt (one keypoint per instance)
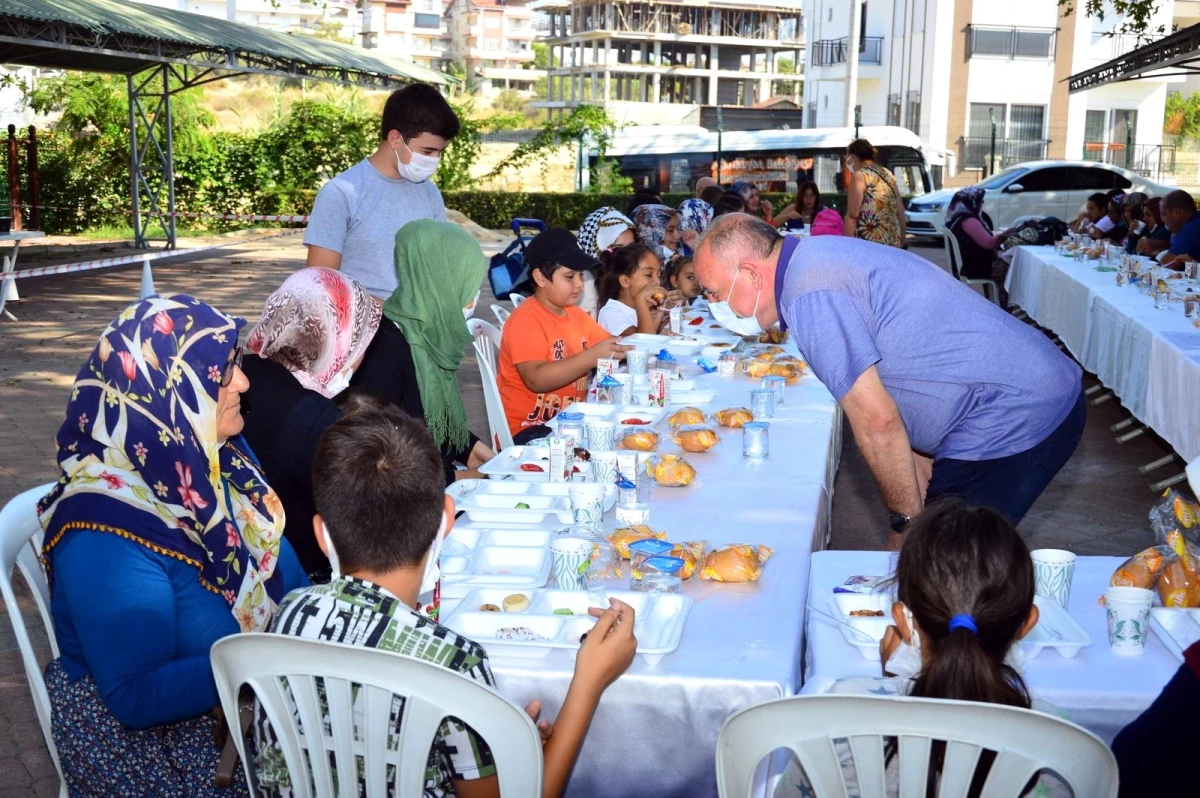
(921, 364)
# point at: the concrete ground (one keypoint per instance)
(1097, 505)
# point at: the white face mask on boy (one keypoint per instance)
(420, 167)
(429, 576)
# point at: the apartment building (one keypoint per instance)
(412, 29)
(951, 69)
(661, 60)
(493, 40)
(284, 16)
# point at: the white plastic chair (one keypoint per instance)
(487, 351)
(988, 288)
(20, 544)
(501, 314)
(368, 678)
(516, 299)
(1025, 743)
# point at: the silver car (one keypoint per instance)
(1036, 188)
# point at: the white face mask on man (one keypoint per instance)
(420, 167)
(429, 576)
(724, 315)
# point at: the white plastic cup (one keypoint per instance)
(587, 503)
(1053, 570)
(601, 434)
(636, 360)
(1128, 611)
(626, 393)
(604, 466)
(570, 557)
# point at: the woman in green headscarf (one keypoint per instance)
(413, 359)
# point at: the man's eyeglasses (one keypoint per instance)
(234, 362)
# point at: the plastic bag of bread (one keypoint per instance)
(1143, 568)
(686, 415)
(756, 368)
(696, 438)
(692, 554)
(642, 440)
(673, 472)
(773, 335)
(1179, 582)
(734, 417)
(789, 371)
(621, 538)
(735, 563)
(1174, 512)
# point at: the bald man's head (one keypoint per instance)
(703, 183)
(744, 248)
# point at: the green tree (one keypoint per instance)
(454, 172)
(1182, 117)
(585, 122)
(542, 58)
(1135, 14)
(784, 87)
(330, 30)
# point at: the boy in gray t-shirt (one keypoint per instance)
(357, 214)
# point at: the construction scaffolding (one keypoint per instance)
(606, 51)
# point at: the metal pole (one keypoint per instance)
(852, 42)
(992, 157)
(720, 130)
(857, 120)
(14, 179)
(35, 193)
(169, 166)
(1128, 144)
(135, 167)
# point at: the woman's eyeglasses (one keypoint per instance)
(234, 361)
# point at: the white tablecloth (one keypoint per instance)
(1096, 689)
(655, 731)
(1150, 358)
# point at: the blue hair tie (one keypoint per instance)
(963, 622)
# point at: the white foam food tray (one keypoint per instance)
(842, 604)
(509, 461)
(509, 508)
(466, 490)
(691, 397)
(659, 619)
(684, 345)
(1055, 629)
(1177, 628)
(621, 414)
(465, 538)
(512, 568)
(645, 341)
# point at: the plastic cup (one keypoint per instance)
(587, 503)
(636, 360)
(604, 466)
(601, 434)
(1128, 619)
(570, 558)
(1053, 570)
(625, 396)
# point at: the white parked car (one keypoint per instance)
(1036, 188)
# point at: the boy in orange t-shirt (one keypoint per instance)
(550, 346)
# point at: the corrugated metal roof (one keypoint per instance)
(113, 36)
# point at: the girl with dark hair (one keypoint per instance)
(729, 202)
(805, 207)
(681, 275)
(632, 299)
(964, 590)
(1155, 235)
(1094, 220)
(874, 207)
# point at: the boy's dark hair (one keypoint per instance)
(730, 202)
(618, 263)
(1100, 200)
(356, 400)
(712, 194)
(378, 485)
(418, 108)
(963, 560)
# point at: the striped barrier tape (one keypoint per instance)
(102, 263)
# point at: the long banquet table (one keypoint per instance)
(1096, 689)
(1150, 358)
(655, 731)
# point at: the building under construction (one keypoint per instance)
(711, 52)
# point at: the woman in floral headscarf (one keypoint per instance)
(604, 228)
(161, 538)
(657, 227)
(695, 216)
(314, 331)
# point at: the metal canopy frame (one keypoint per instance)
(156, 69)
(1177, 54)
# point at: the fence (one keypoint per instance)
(20, 171)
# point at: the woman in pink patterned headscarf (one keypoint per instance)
(318, 324)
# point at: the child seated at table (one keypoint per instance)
(681, 275)
(964, 589)
(549, 346)
(381, 511)
(632, 300)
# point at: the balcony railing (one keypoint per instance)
(828, 52)
(977, 152)
(1001, 42)
(1149, 160)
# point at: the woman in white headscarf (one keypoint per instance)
(604, 228)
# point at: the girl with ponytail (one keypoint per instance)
(632, 299)
(964, 599)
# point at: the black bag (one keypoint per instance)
(1044, 231)
(507, 271)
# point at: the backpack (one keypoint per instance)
(507, 271)
(827, 222)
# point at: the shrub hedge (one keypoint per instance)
(496, 209)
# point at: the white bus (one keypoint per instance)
(670, 158)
